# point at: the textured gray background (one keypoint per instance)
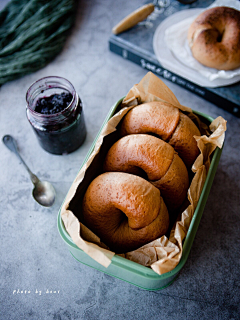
(34, 257)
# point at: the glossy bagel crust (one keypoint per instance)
(125, 211)
(168, 123)
(214, 38)
(163, 167)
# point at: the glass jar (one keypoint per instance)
(64, 130)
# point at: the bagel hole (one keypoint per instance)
(154, 135)
(121, 219)
(139, 172)
(159, 137)
(220, 36)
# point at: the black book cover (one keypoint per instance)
(136, 45)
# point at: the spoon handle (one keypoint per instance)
(11, 144)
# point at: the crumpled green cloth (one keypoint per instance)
(32, 33)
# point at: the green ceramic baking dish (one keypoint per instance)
(130, 271)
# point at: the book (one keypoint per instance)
(136, 45)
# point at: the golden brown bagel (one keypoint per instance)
(214, 38)
(168, 123)
(125, 211)
(164, 168)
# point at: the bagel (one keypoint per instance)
(214, 38)
(163, 167)
(168, 123)
(125, 211)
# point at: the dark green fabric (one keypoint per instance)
(32, 33)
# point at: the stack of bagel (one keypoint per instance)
(145, 177)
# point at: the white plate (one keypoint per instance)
(169, 61)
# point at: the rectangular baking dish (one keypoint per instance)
(130, 271)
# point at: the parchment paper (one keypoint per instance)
(163, 254)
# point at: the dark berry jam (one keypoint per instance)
(56, 115)
(64, 137)
(53, 104)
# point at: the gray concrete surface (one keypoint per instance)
(33, 256)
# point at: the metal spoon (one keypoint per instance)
(43, 191)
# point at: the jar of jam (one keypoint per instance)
(55, 112)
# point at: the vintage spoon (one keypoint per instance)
(43, 191)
